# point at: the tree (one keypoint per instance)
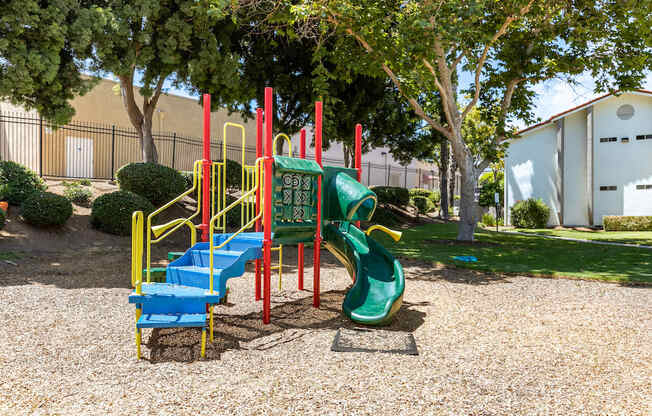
(506, 46)
(158, 43)
(42, 53)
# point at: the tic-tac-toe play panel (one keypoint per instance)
(294, 196)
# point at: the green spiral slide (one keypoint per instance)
(379, 283)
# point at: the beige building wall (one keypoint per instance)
(103, 104)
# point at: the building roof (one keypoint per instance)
(579, 108)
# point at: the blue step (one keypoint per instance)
(172, 320)
(192, 269)
(158, 292)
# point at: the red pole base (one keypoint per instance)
(267, 257)
(300, 266)
(315, 283)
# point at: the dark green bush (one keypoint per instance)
(233, 174)
(187, 177)
(627, 223)
(157, 183)
(488, 219)
(17, 182)
(78, 194)
(3, 218)
(233, 217)
(531, 213)
(112, 212)
(384, 216)
(420, 192)
(44, 209)
(489, 186)
(392, 195)
(423, 204)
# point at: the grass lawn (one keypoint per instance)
(529, 255)
(629, 237)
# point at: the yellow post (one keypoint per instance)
(210, 311)
(203, 342)
(280, 267)
(138, 332)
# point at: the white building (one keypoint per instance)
(587, 162)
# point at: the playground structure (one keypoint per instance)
(284, 201)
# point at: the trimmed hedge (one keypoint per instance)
(157, 183)
(627, 223)
(3, 218)
(423, 204)
(392, 195)
(384, 216)
(17, 182)
(433, 196)
(112, 212)
(78, 194)
(531, 213)
(44, 209)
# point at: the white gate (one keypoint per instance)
(79, 157)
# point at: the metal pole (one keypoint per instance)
(267, 212)
(206, 175)
(259, 153)
(317, 247)
(302, 155)
(40, 145)
(113, 152)
(368, 173)
(174, 147)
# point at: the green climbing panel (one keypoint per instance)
(294, 199)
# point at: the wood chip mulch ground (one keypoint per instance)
(488, 345)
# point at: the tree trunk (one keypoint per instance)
(150, 154)
(452, 181)
(348, 155)
(469, 209)
(443, 178)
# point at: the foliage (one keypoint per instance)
(17, 182)
(112, 212)
(392, 195)
(384, 216)
(233, 175)
(158, 183)
(627, 237)
(531, 213)
(489, 186)
(627, 223)
(499, 253)
(435, 197)
(43, 47)
(3, 218)
(420, 192)
(187, 178)
(488, 219)
(159, 44)
(508, 47)
(233, 217)
(44, 209)
(423, 204)
(77, 194)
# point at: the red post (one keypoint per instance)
(302, 155)
(259, 153)
(358, 156)
(318, 132)
(267, 212)
(206, 174)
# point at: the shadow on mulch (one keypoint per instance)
(290, 321)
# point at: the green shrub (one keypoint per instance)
(44, 209)
(112, 212)
(234, 216)
(423, 204)
(157, 183)
(233, 174)
(420, 192)
(3, 218)
(85, 182)
(531, 213)
(78, 194)
(17, 182)
(384, 216)
(627, 223)
(488, 187)
(488, 219)
(187, 177)
(392, 195)
(435, 197)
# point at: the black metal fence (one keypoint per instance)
(96, 151)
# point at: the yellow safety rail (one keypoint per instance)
(162, 231)
(287, 139)
(239, 201)
(137, 251)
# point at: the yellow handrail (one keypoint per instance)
(211, 226)
(137, 251)
(287, 139)
(175, 224)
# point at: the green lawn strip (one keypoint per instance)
(627, 237)
(530, 255)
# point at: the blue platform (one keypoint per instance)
(182, 301)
